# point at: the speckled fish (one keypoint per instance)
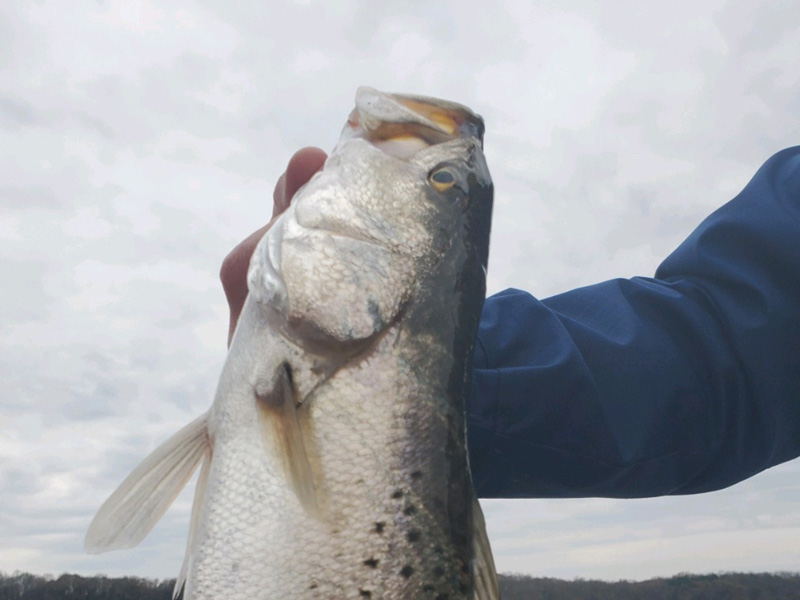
(333, 461)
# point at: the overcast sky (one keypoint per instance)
(141, 141)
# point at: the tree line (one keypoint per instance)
(725, 586)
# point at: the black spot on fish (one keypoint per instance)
(374, 311)
(438, 571)
(397, 494)
(441, 597)
(313, 586)
(463, 588)
(409, 510)
(413, 535)
(371, 562)
(407, 571)
(380, 526)
(365, 593)
(427, 588)
(416, 475)
(438, 550)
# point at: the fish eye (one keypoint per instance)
(442, 179)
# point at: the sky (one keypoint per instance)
(142, 140)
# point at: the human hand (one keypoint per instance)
(233, 272)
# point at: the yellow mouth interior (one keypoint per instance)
(401, 146)
(402, 125)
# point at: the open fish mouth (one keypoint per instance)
(402, 125)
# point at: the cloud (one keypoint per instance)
(16, 112)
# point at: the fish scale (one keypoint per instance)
(334, 455)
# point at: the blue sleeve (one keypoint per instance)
(683, 383)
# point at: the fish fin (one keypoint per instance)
(194, 522)
(487, 586)
(280, 417)
(142, 499)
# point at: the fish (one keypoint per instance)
(333, 460)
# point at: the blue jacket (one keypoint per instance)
(682, 383)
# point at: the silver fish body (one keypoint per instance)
(334, 457)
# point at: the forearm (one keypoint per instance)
(680, 384)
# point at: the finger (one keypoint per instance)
(301, 167)
(279, 200)
(233, 275)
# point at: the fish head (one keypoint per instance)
(402, 206)
(408, 174)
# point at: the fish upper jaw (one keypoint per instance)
(402, 125)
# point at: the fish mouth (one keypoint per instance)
(401, 125)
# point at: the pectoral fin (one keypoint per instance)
(194, 524)
(487, 586)
(142, 499)
(281, 419)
